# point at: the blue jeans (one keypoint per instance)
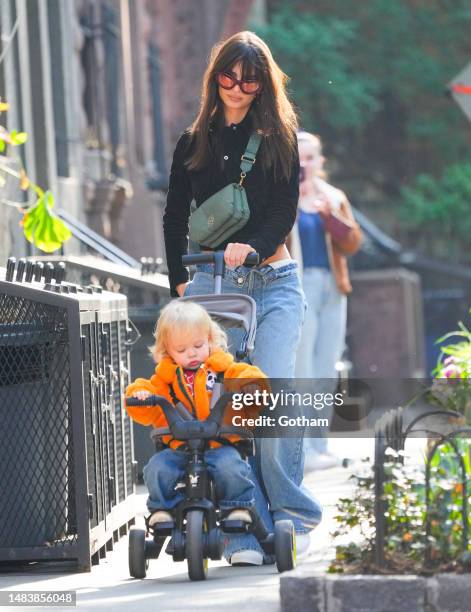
(323, 338)
(279, 462)
(231, 475)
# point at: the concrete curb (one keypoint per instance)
(303, 589)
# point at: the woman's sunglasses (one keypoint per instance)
(227, 81)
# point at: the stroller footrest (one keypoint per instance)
(163, 528)
(234, 526)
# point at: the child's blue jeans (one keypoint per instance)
(231, 475)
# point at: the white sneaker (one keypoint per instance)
(239, 515)
(303, 541)
(320, 461)
(247, 557)
(160, 516)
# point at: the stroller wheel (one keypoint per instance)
(285, 545)
(195, 544)
(138, 563)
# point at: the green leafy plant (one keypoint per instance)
(355, 524)
(407, 542)
(41, 226)
(405, 517)
(455, 359)
(438, 208)
(370, 78)
(316, 52)
(451, 388)
(446, 496)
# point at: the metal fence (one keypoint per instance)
(147, 291)
(67, 473)
(440, 427)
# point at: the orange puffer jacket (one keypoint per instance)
(169, 382)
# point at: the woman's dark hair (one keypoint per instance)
(271, 111)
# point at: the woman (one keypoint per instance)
(244, 92)
(325, 233)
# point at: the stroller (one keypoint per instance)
(198, 527)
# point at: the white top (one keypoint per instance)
(281, 262)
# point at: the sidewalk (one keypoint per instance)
(167, 587)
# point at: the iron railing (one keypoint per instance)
(147, 290)
(440, 427)
(67, 471)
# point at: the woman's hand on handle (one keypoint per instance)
(235, 254)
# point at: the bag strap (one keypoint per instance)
(249, 155)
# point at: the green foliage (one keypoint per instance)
(18, 138)
(440, 207)
(355, 515)
(44, 229)
(40, 226)
(13, 138)
(408, 542)
(380, 55)
(446, 497)
(370, 78)
(405, 516)
(315, 53)
(455, 359)
(451, 388)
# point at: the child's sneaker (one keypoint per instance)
(246, 557)
(239, 515)
(160, 516)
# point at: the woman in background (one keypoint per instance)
(324, 235)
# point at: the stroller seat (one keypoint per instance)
(231, 310)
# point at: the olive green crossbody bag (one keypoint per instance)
(227, 210)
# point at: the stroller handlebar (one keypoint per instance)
(151, 400)
(211, 257)
(173, 416)
(183, 429)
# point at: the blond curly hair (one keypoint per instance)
(185, 316)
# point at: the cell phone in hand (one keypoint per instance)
(302, 174)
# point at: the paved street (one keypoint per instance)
(167, 587)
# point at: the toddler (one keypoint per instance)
(191, 351)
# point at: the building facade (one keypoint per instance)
(103, 88)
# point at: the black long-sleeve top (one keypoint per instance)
(272, 203)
